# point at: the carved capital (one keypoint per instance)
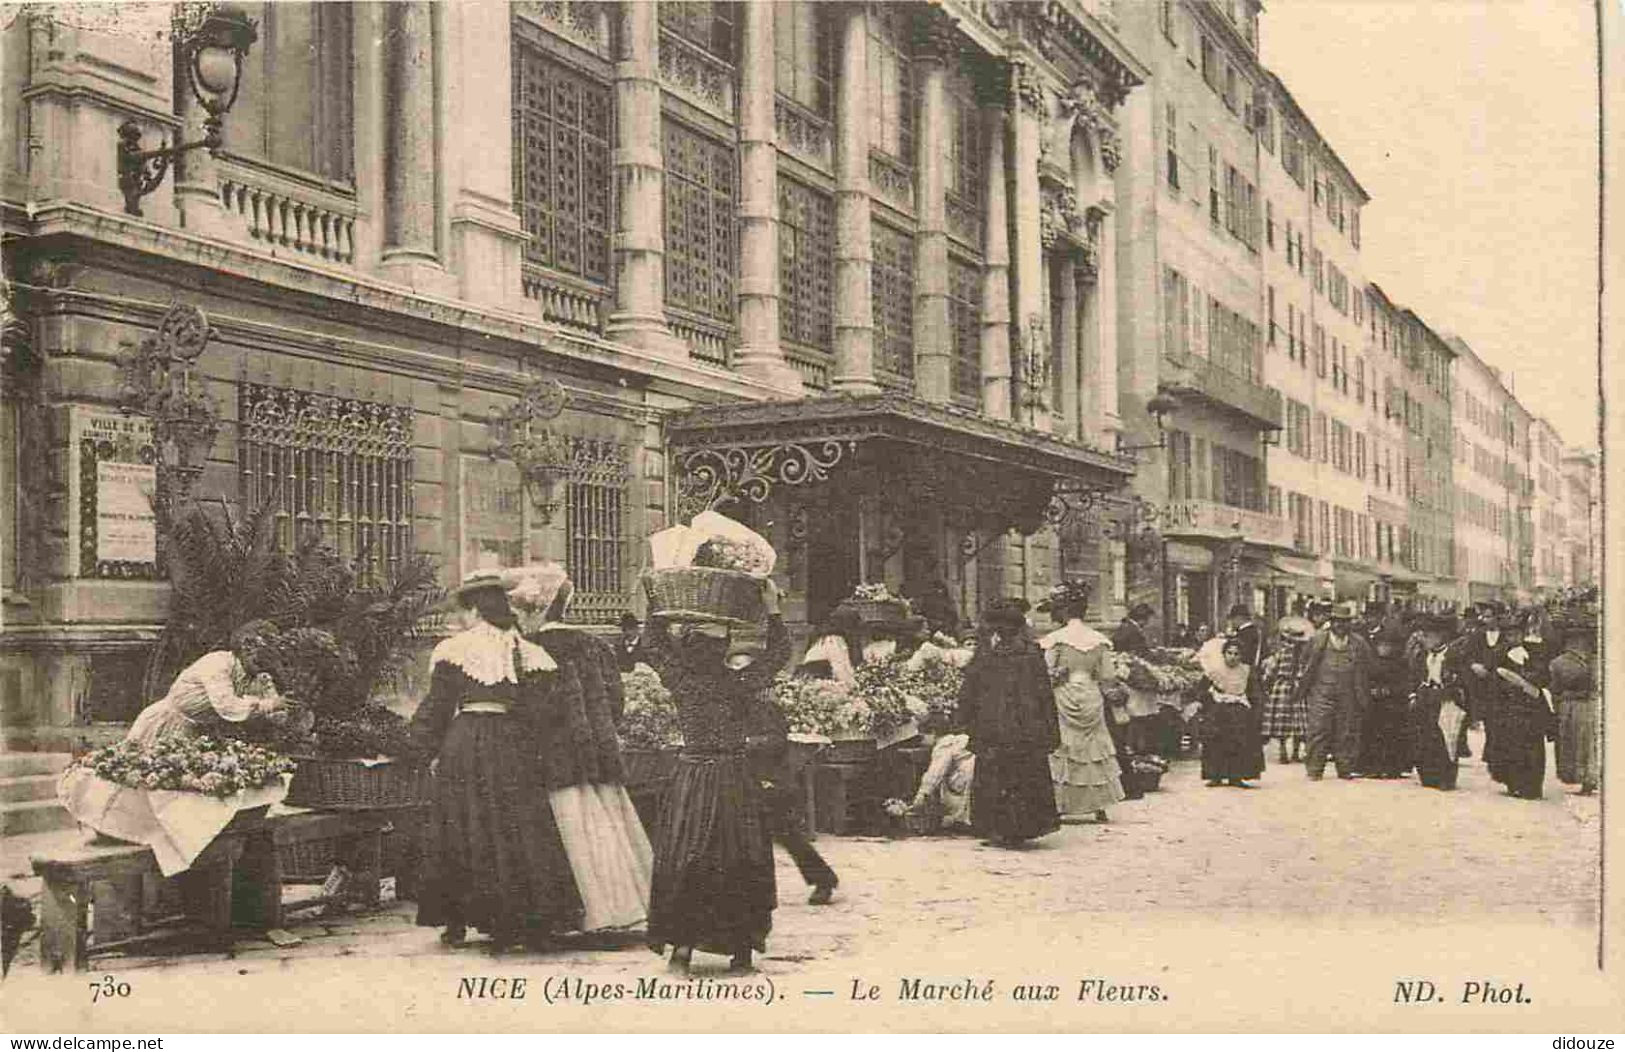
(936, 37)
(1027, 87)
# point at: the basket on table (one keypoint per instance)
(705, 593)
(324, 784)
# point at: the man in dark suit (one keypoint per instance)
(1335, 689)
(1475, 659)
(767, 747)
(1130, 637)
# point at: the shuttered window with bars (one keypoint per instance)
(561, 164)
(806, 265)
(892, 291)
(595, 529)
(341, 467)
(965, 322)
(701, 184)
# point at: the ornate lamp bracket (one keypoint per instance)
(542, 456)
(158, 383)
(711, 476)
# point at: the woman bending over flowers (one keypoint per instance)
(222, 686)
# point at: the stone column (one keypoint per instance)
(996, 399)
(854, 257)
(760, 356)
(1089, 336)
(1107, 424)
(1030, 110)
(411, 149)
(639, 317)
(933, 342)
(487, 238)
(1066, 341)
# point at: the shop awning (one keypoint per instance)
(1294, 567)
(1351, 582)
(1007, 475)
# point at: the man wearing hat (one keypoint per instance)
(1335, 689)
(1476, 658)
(1130, 637)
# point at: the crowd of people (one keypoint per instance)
(532, 833)
(1390, 692)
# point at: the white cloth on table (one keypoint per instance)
(176, 824)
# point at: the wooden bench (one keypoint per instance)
(236, 882)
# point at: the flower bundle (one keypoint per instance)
(649, 718)
(883, 685)
(877, 593)
(895, 808)
(735, 553)
(935, 678)
(821, 706)
(198, 765)
(1154, 678)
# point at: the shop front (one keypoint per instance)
(1219, 555)
(887, 489)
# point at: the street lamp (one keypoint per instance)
(542, 455)
(1160, 405)
(211, 41)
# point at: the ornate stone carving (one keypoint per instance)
(1027, 86)
(1093, 112)
(542, 455)
(801, 132)
(1058, 215)
(705, 80)
(1035, 362)
(158, 383)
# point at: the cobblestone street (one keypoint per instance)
(1177, 890)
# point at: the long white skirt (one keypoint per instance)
(609, 853)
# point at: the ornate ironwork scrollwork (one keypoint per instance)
(711, 477)
(158, 384)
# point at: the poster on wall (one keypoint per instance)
(114, 478)
(493, 514)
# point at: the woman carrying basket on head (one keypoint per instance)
(713, 884)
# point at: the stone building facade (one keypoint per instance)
(843, 271)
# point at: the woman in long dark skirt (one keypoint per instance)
(1436, 713)
(1007, 706)
(1385, 745)
(1526, 721)
(1231, 723)
(713, 884)
(493, 857)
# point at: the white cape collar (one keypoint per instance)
(490, 655)
(1076, 635)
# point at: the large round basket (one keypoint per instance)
(324, 784)
(703, 593)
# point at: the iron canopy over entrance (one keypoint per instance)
(1011, 477)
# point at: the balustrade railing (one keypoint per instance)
(708, 341)
(563, 302)
(813, 365)
(802, 132)
(285, 213)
